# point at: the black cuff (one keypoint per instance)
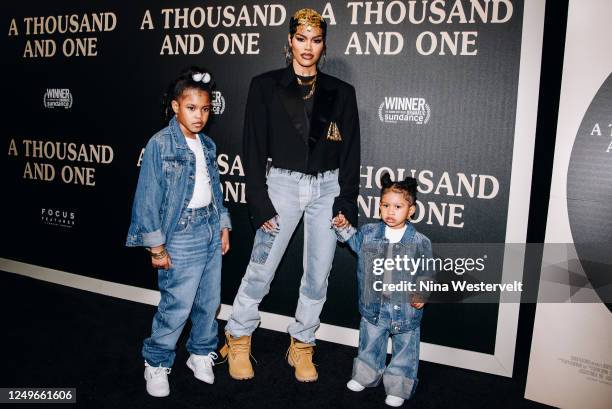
(261, 210)
(348, 209)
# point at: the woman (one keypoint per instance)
(307, 123)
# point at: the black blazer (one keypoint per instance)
(276, 127)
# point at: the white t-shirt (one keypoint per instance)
(394, 235)
(202, 193)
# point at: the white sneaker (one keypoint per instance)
(355, 386)
(157, 380)
(394, 401)
(201, 365)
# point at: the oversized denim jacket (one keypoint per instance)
(165, 186)
(370, 244)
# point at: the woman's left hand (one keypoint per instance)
(340, 221)
(225, 245)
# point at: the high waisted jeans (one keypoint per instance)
(293, 195)
(189, 289)
(400, 376)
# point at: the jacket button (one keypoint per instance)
(396, 307)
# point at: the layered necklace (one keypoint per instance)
(312, 83)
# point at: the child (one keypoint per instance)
(387, 305)
(178, 214)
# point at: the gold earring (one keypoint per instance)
(288, 55)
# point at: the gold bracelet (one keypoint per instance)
(160, 255)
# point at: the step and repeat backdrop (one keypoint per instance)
(570, 364)
(447, 93)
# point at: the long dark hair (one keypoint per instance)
(186, 80)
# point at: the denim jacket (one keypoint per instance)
(371, 246)
(165, 186)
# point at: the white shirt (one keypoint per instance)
(202, 193)
(394, 235)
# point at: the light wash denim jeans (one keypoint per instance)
(400, 376)
(191, 288)
(293, 195)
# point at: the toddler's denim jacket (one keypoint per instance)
(371, 246)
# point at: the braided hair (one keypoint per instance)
(408, 187)
(190, 78)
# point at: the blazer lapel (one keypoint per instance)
(322, 110)
(289, 94)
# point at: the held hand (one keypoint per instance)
(160, 262)
(340, 221)
(225, 243)
(271, 225)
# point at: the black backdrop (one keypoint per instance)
(114, 100)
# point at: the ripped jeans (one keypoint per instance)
(293, 195)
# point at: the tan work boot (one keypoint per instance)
(299, 356)
(238, 352)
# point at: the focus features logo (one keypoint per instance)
(57, 97)
(57, 217)
(394, 110)
(218, 103)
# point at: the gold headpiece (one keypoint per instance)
(308, 18)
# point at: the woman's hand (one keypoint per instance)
(340, 221)
(271, 226)
(160, 262)
(417, 305)
(225, 244)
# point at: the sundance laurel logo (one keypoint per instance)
(394, 110)
(218, 103)
(57, 98)
(58, 217)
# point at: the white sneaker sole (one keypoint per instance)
(354, 386)
(208, 380)
(158, 394)
(394, 403)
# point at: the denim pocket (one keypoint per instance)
(262, 246)
(172, 167)
(412, 318)
(181, 225)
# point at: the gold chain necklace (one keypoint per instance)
(312, 82)
(302, 82)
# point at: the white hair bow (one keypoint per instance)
(204, 77)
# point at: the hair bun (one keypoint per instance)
(411, 182)
(385, 180)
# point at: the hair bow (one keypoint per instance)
(204, 77)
